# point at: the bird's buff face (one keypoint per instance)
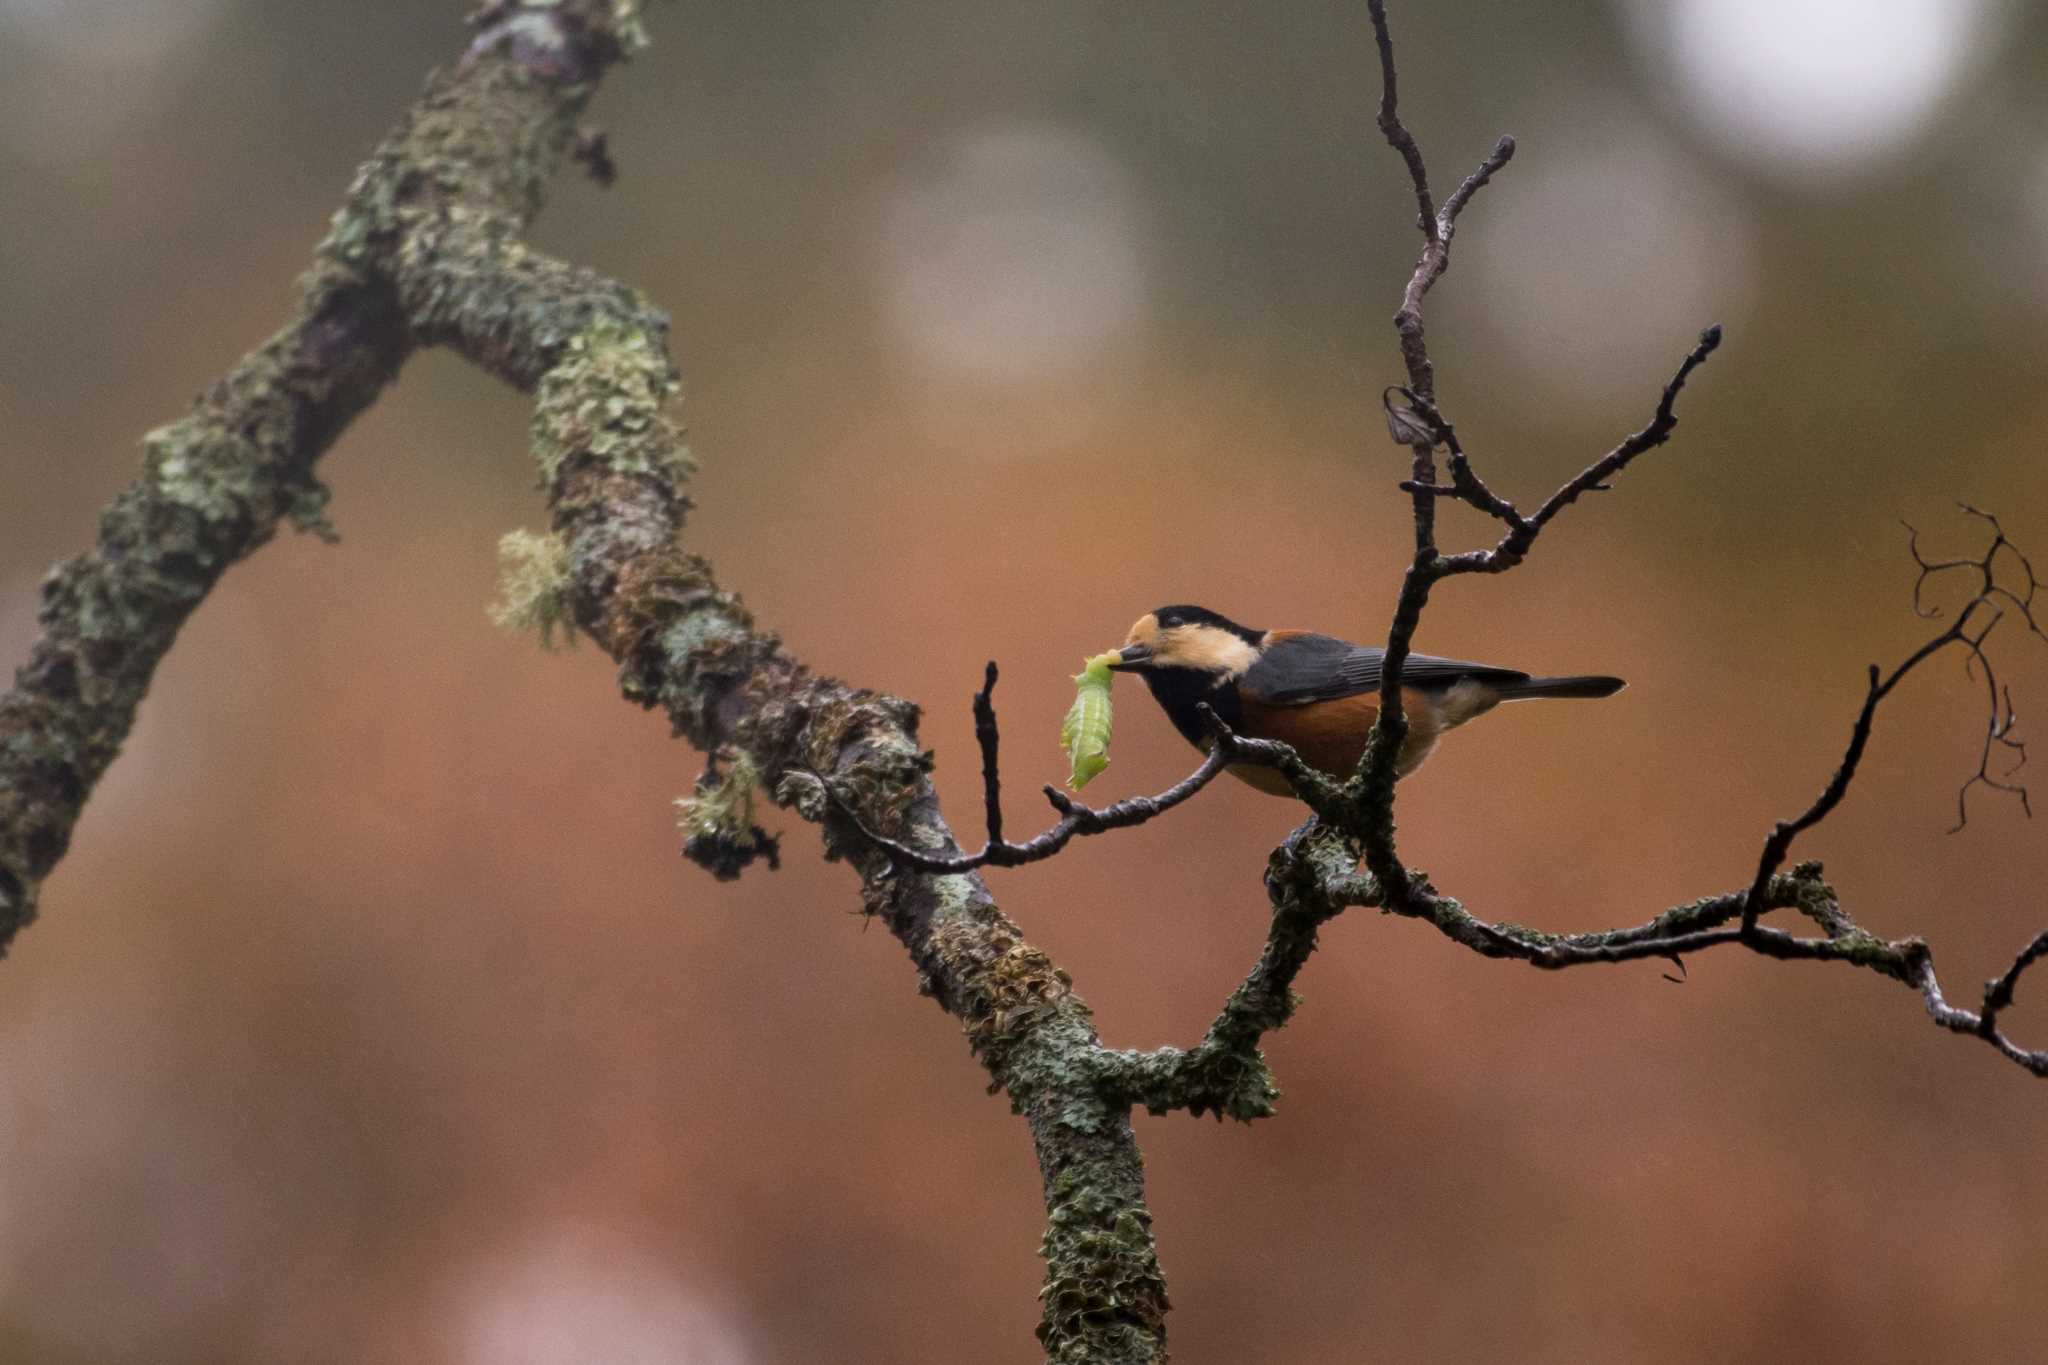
(1203, 648)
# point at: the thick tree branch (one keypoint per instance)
(426, 251)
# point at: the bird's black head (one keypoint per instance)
(1170, 618)
(1188, 656)
(1189, 638)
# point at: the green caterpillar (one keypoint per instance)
(1084, 734)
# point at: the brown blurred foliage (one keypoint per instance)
(373, 1016)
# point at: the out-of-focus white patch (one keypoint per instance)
(579, 1294)
(2034, 232)
(1013, 253)
(109, 32)
(1010, 267)
(1815, 86)
(1600, 256)
(87, 63)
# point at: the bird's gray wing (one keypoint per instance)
(1298, 669)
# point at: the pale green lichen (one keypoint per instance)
(533, 587)
(603, 399)
(721, 806)
(717, 821)
(627, 29)
(197, 466)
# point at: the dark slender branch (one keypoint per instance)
(1398, 136)
(1074, 819)
(1422, 416)
(1998, 991)
(1370, 793)
(1502, 153)
(1375, 773)
(991, 767)
(1227, 748)
(1523, 531)
(1966, 632)
(2000, 718)
(1649, 438)
(1704, 924)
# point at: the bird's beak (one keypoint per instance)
(1130, 657)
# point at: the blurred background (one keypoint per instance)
(374, 1017)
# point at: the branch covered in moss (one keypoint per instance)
(427, 250)
(215, 486)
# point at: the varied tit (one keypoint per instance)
(1315, 692)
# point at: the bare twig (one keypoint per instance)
(1422, 415)
(1397, 136)
(2000, 718)
(1437, 227)
(1973, 623)
(991, 765)
(1228, 747)
(1655, 434)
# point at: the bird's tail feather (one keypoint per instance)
(1589, 685)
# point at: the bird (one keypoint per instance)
(1314, 692)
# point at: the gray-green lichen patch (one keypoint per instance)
(1006, 989)
(306, 504)
(1104, 1297)
(218, 474)
(533, 587)
(603, 401)
(701, 632)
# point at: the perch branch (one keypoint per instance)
(427, 250)
(1228, 747)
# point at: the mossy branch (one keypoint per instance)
(426, 250)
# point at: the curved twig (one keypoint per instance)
(1075, 819)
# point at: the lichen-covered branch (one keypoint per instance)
(215, 486)
(426, 250)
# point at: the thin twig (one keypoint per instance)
(991, 767)
(1227, 748)
(1973, 624)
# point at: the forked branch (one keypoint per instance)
(1226, 748)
